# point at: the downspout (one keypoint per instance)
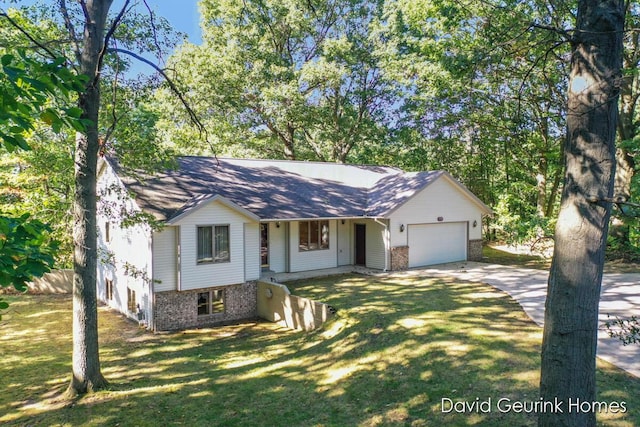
(386, 243)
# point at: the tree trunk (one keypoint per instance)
(571, 313)
(557, 179)
(541, 187)
(627, 131)
(625, 168)
(543, 169)
(87, 376)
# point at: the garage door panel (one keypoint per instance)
(437, 243)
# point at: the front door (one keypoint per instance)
(264, 246)
(361, 234)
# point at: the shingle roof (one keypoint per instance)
(271, 189)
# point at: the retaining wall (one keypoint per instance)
(54, 282)
(276, 304)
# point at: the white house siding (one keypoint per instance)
(199, 276)
(251, 251)
(344, 242)
(440, 199)
(165, 259)
(277, 247)
(126, 258)
(312, 260)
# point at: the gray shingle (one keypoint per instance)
(275, 189)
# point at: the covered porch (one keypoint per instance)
(287, 277)
(310, 245)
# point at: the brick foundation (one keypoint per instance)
(474, 250)
(399, 258)
(175, 310)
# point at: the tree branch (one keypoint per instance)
(112, 30)
(565, 34)
(154, 30)
(192, 115)
(27, 35)
(70, 28)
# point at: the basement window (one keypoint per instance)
(211, 302)
(109, 289)
(131, 300)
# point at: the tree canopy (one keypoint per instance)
(295, 80)
(477, 88)
(33, 90)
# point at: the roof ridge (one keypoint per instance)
(314, 162)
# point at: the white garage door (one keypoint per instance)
(437, 243)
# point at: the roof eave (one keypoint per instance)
(215, 198)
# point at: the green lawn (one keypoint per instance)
(616, 262)
(395, 348)
(496, 256)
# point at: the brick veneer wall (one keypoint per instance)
(474, 250)
(176, 310)
(399, 258)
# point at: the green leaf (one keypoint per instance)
(74, 112)
(49, 116)
(6, 59)
(57, 126)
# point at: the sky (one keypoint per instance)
(182, 14)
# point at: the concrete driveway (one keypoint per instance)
(620, 297)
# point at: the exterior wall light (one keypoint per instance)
(475, 223)
(401, 228)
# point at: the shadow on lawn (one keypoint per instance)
(394, 350)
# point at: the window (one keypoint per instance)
(131, 300)
(211, 302)
(314, 235)
(107, 232)
(109, 289)
(213, 244)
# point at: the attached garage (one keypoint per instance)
(437, 243)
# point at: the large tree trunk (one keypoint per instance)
(571, 313)
(86, 362)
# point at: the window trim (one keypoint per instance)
(319, 241)
(214, 259)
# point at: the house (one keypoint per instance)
(226, 222)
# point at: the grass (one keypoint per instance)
(496, 256)
(396, 347)
(616, 262)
